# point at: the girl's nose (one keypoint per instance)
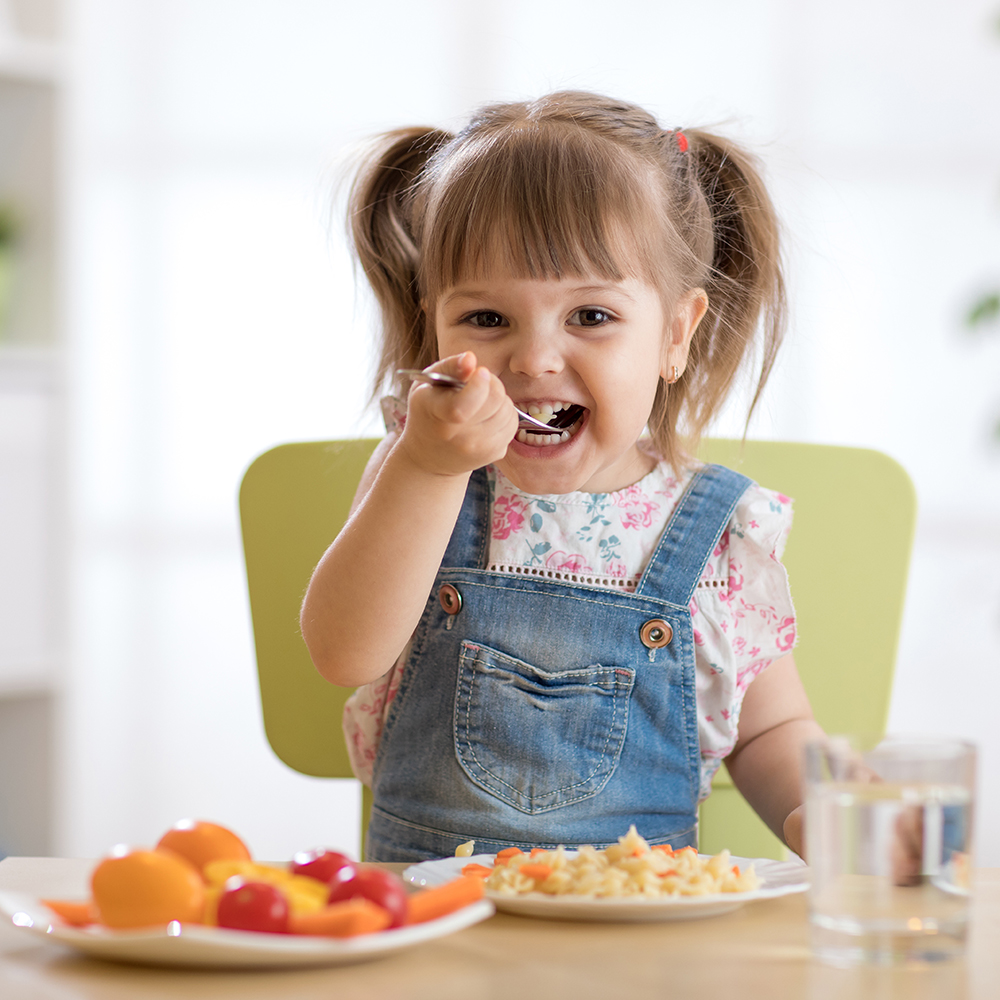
(534, 354)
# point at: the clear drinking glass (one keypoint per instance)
(889, 843)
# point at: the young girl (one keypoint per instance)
(555, 634)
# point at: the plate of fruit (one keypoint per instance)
(198, 898)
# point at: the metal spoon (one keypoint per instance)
(450, 382)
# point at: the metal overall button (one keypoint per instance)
(656, 633)
(450, 598)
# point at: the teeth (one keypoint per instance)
(542, 440)
(543, 412)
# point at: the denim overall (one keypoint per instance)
(538, 711)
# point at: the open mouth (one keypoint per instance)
(565, 419)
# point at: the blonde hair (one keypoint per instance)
(576, 183)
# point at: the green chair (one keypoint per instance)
(293, 501)
(847, 559)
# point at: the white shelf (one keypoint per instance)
(30, 60)
(33, 515)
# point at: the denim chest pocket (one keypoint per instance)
(538, 739)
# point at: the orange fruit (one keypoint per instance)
(146, 888)
(201, 842)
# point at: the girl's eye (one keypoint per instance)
(487, 319)
(591, 317)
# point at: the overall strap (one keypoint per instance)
(468, 547)
(691, 535)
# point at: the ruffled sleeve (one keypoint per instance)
(393, 412)
(365, 712)
(743, 618)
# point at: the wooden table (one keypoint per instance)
(759, 951)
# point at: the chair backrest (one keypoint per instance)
(847, 559)
(293, 501)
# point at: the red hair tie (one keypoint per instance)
(682, 141)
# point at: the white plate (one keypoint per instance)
(192, 945)
(778, 878)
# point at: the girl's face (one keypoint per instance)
(588, 347)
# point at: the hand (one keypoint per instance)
(907, 851)
(453, 431)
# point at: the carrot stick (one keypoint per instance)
(479, 871)
(347, 919)
(507, 852)
(537, 871)
(443, 899)
(76, 913)
(535, 851)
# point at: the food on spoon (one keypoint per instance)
(252, 906)
(202, 842)
(629, 868)
(322, 865)
(146, 888)
(377, 886)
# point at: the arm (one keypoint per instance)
(766, 764)
(369, 589)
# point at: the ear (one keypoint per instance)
(688, 313)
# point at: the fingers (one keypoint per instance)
(459, 365)
(481, 399)
(458, 430)
(908, 847)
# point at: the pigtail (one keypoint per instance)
(383, 214)
(743, 279)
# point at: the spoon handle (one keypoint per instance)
(450, 382)
(431, 378)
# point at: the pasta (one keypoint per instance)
(629, 868)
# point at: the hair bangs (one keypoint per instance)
(539, 204)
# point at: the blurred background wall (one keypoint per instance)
(206, 310)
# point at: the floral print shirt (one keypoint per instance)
(742, 610)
